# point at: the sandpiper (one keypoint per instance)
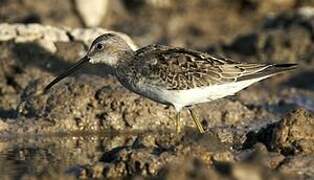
(178, 77)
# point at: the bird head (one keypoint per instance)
(107, 49)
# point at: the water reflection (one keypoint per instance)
(53, 155)
(58, 156)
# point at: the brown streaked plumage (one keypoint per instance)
(183, 69)
(174, 76)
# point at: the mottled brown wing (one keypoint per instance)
(180, 69)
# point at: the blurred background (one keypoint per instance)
(196, 23)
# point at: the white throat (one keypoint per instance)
(105, 59)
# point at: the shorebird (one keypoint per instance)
(173, 76)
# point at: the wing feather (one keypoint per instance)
(180, 69)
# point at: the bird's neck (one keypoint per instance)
(125, 57)
(125, 65)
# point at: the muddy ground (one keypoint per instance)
(89, 126)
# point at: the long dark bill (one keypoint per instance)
(66, 73)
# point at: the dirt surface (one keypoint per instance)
(89, 126)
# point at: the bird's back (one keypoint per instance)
(183, 69)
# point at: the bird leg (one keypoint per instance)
(178, 122)
(196, 121)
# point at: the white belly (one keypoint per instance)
(182, 98)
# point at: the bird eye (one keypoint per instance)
(99, 46)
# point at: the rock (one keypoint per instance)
(300, 164)
(92, 11)
(188, 169)
(294, 133)
(49, 46)
(48, 35)
(31, 32)
(7, 32)
(260, 155)
(283, 38)
(274, 6)
(3, 125)
(88, 35)
(243, 172)
(77, 171)
(306, 12)
(97, 170)
(148, 158)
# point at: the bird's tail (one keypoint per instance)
(283, 67)
(270, 70)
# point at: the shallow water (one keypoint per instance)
(59, 155)
(49, 155)
(306, 102)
